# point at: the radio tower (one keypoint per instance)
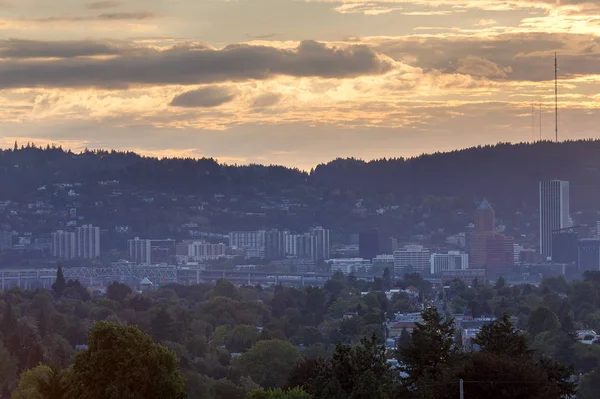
(556, 96)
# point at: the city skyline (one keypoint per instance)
(295, 83)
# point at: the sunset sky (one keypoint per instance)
(295, 82)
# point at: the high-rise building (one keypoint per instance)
(63, 244)
(411, 258)
(490, 250)
(554, 212)
(453, 260)
(368, 244)
(274, 244)
(163, 250)
(202, 250)
(588, 256)
(485, 219)
(308, 247)
(247, 239)
(140, 251)
(564, 246)
(88, 241)
(322, 250)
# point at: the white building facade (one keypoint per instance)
(453, 260)
(411, 257)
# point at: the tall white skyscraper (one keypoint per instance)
(140, 250)
(63, 244)
(554, 212)
(88, 241)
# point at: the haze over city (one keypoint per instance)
(295, 82)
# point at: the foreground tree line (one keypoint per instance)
(220, 341)
(122, 362)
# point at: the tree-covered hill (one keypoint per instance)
(400, 196)
(508, 173)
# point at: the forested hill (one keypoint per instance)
(506, 173)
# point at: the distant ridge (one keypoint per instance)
(505, 173)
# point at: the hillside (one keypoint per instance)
(412, 190)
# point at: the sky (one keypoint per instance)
(296, 82)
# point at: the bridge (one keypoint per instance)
(132, 274)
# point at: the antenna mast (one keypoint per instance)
(540, 103)
(556, 95)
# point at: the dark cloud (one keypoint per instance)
(205, 97)
(117, 16)
(99, 5)
(266, 100)
(187, 66)
(15, 48)
(518, 57)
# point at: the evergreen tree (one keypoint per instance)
(500, 337)
(405, 339)
(431, 349)
(9, 322)
(60, 284)
(162, 326)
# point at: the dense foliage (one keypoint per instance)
(230, 341)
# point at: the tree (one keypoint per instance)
(500, 337)
(8, 369)
(28, 384)
(589, 385)
(241, 338)
(59, 284)
(431, 349)
(122, 362)
(540, 320)
(118, 291)
(360, 371)
(386, 279)
(53, 385)
(500, 283)
(269, 362)
(405, 339)
(162, 326)
(278, 393)
(9, 322)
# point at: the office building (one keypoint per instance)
(411, 258)
(140, 251)
(88, 241)
(350, 265)
(368, 244)
(490, 250)
(588, 256)
(274, 244)
(554, 212)
(247, 239)
(564, 246)
(453, 260)
(322, 249)
(202, 250)
(63, 244)
(307, 246)
(162, 251)
(485, 218)
(290, 242)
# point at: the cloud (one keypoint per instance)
(189, 66)
(98, 5)
(481, 67)
(486, 22)
(116, 16)
(16, 48)
(266, 100)
(206, 97)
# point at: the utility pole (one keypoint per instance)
(462, 391)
